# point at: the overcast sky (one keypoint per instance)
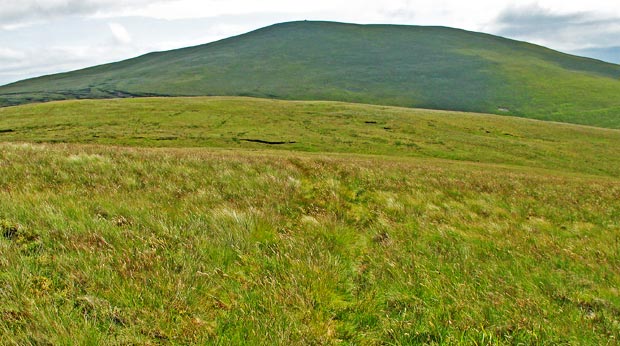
(47, 36)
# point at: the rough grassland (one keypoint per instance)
(379, 226)
(228, 122)
(156, 246)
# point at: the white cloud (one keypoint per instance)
(120, 33)
(8, 54)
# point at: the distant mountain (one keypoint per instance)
(411, 66)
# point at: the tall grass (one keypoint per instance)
(108, 245)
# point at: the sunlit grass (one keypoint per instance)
(108, 245)
(377, 226)
(230, 122)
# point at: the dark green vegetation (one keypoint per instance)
(458, 229)
(428, 67)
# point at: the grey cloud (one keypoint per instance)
(569, 31)
(402, 13)
(17, 12)
(609, 54)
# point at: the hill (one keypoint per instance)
(411, 66)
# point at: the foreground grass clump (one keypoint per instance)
(165, 246)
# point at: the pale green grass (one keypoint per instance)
(317, 127)
(378, 226)
(114, 246)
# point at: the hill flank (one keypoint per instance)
(411, 66)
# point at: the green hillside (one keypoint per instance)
(317, 126)
(426, 67)
(244, 221)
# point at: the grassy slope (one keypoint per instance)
(317, 127)
(140, 246)
(237, 244)
(428, 67)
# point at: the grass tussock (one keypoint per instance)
(108, 245)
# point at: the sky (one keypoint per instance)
(39, 37)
